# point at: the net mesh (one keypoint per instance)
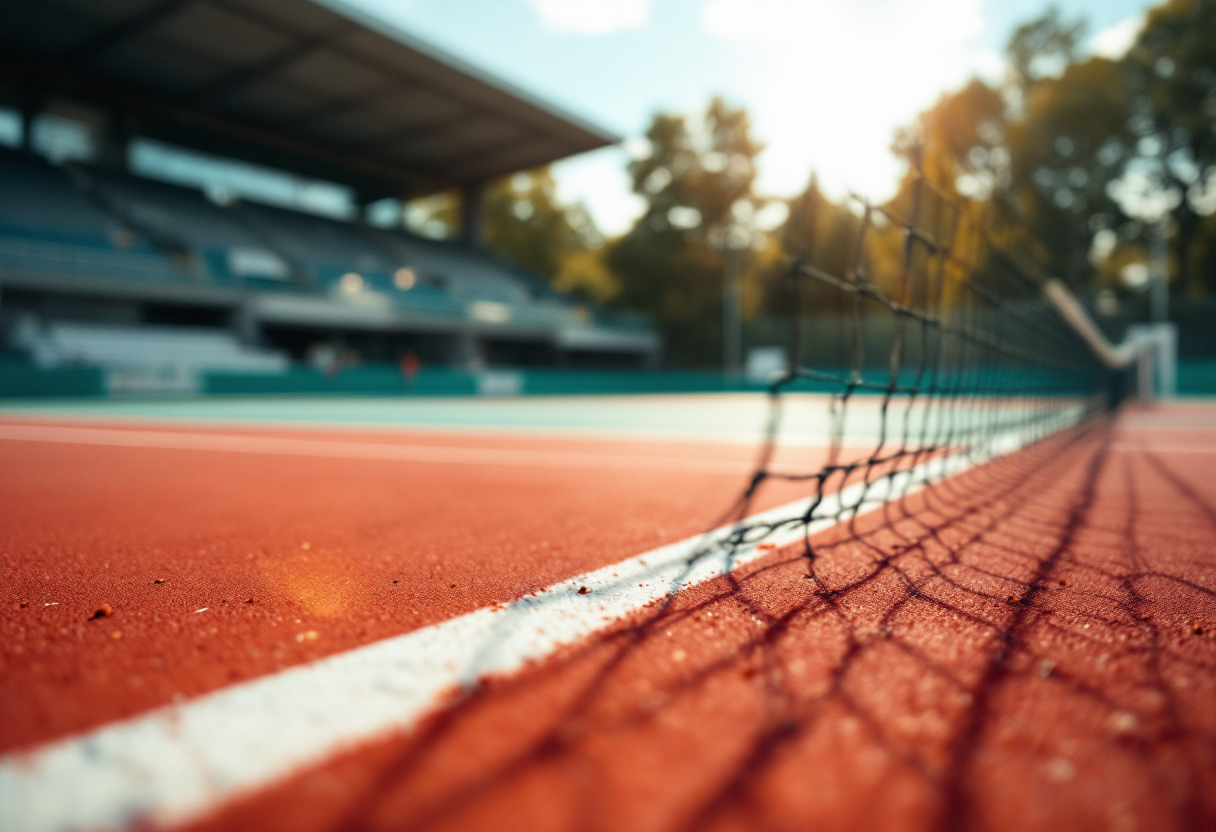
(953, 356)
(923, 640)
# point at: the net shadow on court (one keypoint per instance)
(968, 655)
(934, 668)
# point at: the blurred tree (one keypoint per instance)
(1204, 256)
(1107, 145)
(959, 141)
(959, 146)
(698, 182)
(1043, 48)
(1065, 151)
(524, 220)
(1171, 134)
(585, 276)
(436, 215)
(818, 233)
(698, 179)
(1042, 152)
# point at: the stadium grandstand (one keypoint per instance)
(104, 263)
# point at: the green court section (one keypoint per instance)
(19, 380)
(373, 380)
(1197, 378)
(714, 417)
(807, 419)
(22, 381)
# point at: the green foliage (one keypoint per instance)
(436, 216)
(1043, 47)
(962, 135)
(524, 221)
(1066, 150)
(586, 276)
(1075, 151)
(1109, 144)
(1035, 152)
(1204, 255)
(1084, 151)
(708, 169)
(698, 182)
(1171, 73)
(817, 233)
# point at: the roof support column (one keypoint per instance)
(471, 214)
(365, 199)
(31, 106)
(467, 351)
(114, 141)
(245, 324)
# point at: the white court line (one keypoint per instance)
(175, 764)
(1157, 448)
(682, 435)
(337, 449)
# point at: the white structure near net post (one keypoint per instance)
(1156, 359)
(1152, 349)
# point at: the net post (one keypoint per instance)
(1156, 360)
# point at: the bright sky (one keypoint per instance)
(827, 82)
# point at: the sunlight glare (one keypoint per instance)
(831, 80)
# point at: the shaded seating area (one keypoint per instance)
(193, 349)
(47, 225)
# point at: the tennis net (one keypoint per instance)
(954, 354)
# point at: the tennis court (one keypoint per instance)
(384, 446)
(1023, 641)
(964, 581)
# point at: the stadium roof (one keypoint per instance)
(311, 86)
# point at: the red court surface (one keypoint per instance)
(1026, 646)
(351, 550)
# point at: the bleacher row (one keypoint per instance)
(189, 349)
(85, 221)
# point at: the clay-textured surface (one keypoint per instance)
(1027, 647)
(349, 550)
